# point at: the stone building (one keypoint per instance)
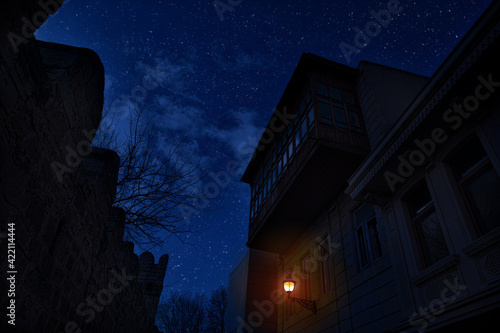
(378, 191)
(69, 269)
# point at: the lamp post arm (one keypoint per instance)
(309, 305)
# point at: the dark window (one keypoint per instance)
(305, 277)
(297, 139)
(335, 93)
(354, 119)
(303, 129)
(338, 110)
(310, 116)
(479, 185)
(290, 149)
(285, 158)
(326, 264)
(362, 250)
(427, 226)
(372, 230)
(322, 90)
(367, 236)
(325, 114)
(338, 107)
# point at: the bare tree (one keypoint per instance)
(182, 313)
(154, 181)
(216, 311)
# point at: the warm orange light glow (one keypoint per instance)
(289, 284)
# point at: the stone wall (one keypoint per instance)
(74, 272)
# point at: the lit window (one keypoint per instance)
(479, 185)
(367, 235)
(427, 226)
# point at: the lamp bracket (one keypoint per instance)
(309, 305)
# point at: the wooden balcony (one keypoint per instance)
(317, 173)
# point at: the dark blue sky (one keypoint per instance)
(221, 78)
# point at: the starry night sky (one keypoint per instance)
(220, 77)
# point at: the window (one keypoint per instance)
(367, 236)
(325, 263)
(310, 116)
(303, 129)
(297, 139)
(324, 111)
(354, 119)
(427, 226)
(338, 107)
(284, 151)
(335, 93)
(338, 111)
(479, 185)
(305, 276)
(322, 90)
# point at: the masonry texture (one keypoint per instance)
(74, 271)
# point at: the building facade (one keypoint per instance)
(378, 189)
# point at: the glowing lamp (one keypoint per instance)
(289, 284)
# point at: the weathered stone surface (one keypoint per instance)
(59, 193)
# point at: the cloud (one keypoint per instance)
(242, 132)
(172, 115)
(166, 72)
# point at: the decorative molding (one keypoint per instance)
(492, 262)
(435, 269)
(438, 96)
(482, 243)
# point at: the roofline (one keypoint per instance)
(472, 38)
(306, 60)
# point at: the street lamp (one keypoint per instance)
(289, 286)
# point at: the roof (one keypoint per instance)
(307, 63)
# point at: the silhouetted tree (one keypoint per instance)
(216, 310)
(154, 181)
(182, 312)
